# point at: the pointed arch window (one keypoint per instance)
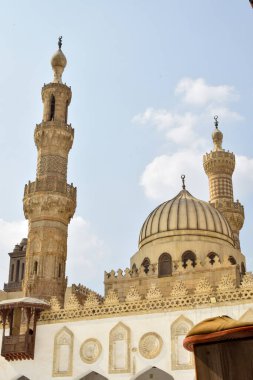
(180, 358)
(52, 107)
(119, 349)
(63, 353)
(164, 265)
(243, 269)
(189, 256)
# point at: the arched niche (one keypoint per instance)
(164, 265)
(180, 357)
(93, 376)
(155, 374)
(23, 378)
(63, 353)
(119, 349)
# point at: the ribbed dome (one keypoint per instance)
(185, 215)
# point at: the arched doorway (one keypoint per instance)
(155, 374)
(93, 376)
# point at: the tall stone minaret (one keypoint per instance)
(219, 166)
(49, 202)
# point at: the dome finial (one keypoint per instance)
(58, 63)
(183, 181)
(216, 123)
(60, 42)
(217, 135)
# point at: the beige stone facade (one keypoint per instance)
(188, 267)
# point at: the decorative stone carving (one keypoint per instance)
(92, 300)
(150, 345)
(111, 298)
(153, 293)
(226, 283)
(203, 287)
(133, 295)
(55, 304)
(119, 349)
(179, 290)
(72, 302)
(63, 353)
(90, 350)
(180, 358)
(247, 281)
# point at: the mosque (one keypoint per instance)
(188, 267)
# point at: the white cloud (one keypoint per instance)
(86, 251)
(197, 92)
(161, 177)
(243, 176)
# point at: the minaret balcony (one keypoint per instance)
(52, 186)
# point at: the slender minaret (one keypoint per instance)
(49, 202)
(219, 166)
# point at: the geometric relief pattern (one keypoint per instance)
(90, 350)
(180, 357)
(150, 345)
(119, 349)
(63, 353)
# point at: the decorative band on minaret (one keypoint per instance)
(219, 166)
(49, 202)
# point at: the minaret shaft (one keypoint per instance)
(219, 166)
(49, 202)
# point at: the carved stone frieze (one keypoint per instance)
(247, 281)
(226, 283)
(153, 293)
(133, 295)
(203, 287)
(179, 289)
(111, 298)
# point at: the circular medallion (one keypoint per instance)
(150, 345)
(90, 350)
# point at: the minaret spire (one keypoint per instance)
(49, 202)
(219, 166)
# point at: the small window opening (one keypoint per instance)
(243, 269)
(12, 272)
(189, 255)
(66, 112)
(213, 257)
(164, 265)
(17, 270)
(146, 264)
(232, 260)
(52, 107)
(59, 270)
(35, 267)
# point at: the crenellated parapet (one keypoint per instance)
(155, 300)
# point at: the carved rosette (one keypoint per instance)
(150, 345)
(90, 350)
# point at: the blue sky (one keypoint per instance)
(147, 78)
